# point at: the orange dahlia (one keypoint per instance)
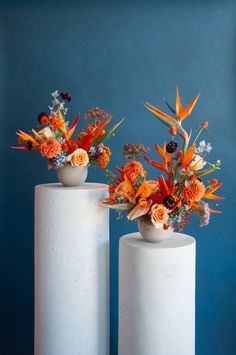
(50, 148)
(133, 169)
(194, 191)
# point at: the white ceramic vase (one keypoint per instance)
(72, 176)
(152, 234)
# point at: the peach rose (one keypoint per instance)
(159, 215)
(79, 158)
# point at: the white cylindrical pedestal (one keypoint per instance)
(71, 270)
(157, 296)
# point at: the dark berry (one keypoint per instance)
(65, 96)
(42, 114)
(171, 147)
(169, 201)
(29, 145)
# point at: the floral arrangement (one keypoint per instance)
(52, 137)
(169, 201)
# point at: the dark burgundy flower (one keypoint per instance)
(171, 147)
(65, 96)
(29, 145)
(169, 201)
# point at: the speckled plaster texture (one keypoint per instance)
(71, 270)
(157, 296)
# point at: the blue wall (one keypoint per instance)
(115, 55)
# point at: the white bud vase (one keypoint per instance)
(152, 234)
(72, 176)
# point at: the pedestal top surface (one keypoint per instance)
(177, 240)
(86, 186)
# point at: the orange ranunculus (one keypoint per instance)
(103, 160)
(56, 123)
(143, 202)
(44, 120)
(50, 148)
(194, 191)
(79, 158)
(159, 215)
(146, 191)
(133, 169)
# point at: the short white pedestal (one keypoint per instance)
(157, 296)
(71, 270)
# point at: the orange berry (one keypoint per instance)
(165, 227)
(173, 130)
(204, 124)
(214, 182)
(180, 154)
(170, 163)
(192, 177)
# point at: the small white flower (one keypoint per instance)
(55, 94)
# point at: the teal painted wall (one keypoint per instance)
(116, 55)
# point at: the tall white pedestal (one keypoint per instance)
(71, 270)
(157, 296)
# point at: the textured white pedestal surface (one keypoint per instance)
(157, 296)
(71, 270)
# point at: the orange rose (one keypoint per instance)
(79, 158)
(159, 215)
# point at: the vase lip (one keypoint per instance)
(86, 186)
(177, 240)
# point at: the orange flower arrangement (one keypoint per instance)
(54, 141)
(170, 201)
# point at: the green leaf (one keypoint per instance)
(107, 135)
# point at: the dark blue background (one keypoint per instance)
(115, 55)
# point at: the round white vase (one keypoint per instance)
(152, 234)
(72, 176)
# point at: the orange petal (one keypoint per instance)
(188, 156)
(210, 196)
(160, 113)
(27, 137)
(216, 187)
(186, 112)
(139, 211)
(160, 151)
(157, 165)
(163, 186)
(178, 104)
(72, 128)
